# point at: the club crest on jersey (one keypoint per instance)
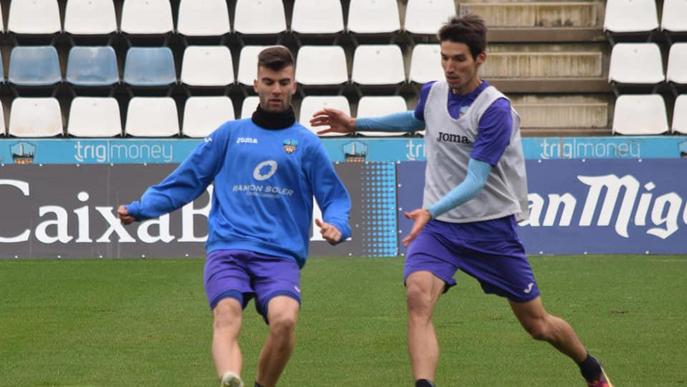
(290, 146)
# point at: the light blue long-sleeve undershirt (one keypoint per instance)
(477, 174)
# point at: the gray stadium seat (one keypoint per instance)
(203, 18)
(248, 64)
(149, 66)
(249, 105)
(378, 65)
(259, 17)
(321, 65)
(311, 104)
(636, 63)
(202, 115)
(152, 117)
(677, 64)
(426, 16)
(425, 63)
(34, 17)
(374, 106)
(149, 17)
(630, 16)
(373, 16)
(317, 17)
(34, 66)
(207, 66)
(680, 115)
(35, 117)
(90, 17)
(92, 66)
(673, 16)
(94, 117)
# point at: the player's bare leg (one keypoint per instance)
(282, 313)
(225, 332)
(423, 290)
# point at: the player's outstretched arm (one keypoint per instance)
(329, 232)
(334, 121)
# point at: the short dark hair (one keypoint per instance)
(275, 58)
(469, 29)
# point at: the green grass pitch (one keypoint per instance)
(146, 323)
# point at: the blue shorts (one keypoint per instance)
(500, 266)
(243, 275)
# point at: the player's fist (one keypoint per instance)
(329, 232)
(124, 217)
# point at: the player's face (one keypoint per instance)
(460, 67)
(275, 88)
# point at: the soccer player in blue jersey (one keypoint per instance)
(265, 172)
(475, 192)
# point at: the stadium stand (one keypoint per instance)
(558, 61)
(642, 114)
(94, 117)
(202, 115)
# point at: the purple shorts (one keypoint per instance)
(242, 275)
(500, 266)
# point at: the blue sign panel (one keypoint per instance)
(592, 206)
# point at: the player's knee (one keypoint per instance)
(283, 324)
(539, 330)
(419, 299)
(226, 316)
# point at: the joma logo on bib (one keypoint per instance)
(455, 138)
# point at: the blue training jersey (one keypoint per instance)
(264, 183)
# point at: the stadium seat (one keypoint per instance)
(94, 117)
(249, 105)
(426, 16)
(311, 104)
(149, 66)
(207, 66)
(34, 17)
(149, 17)
(2, 30)
(677, 64)
(259, 17)
(92, 66)
(373, 16)
(375, 106)
(203, 18)
(152, 117)
(630, 16)
(35, 117)
(673, 19)
(321, 65)
(636, 63)
(680, 115)
(90, 17)
(425, 63)
(378, 65)
(34, 66)
(643, 114)
(3, 129)
(317, 17)
(202, 115)
(248, 64)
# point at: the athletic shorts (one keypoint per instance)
(243, 275)
(500, 266)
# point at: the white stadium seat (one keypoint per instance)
(34, 17)
(90, 17)
(378, 65)
(370, 106)
(94, 117)
(643, 114)
(680, 115)
(248, 64)
(207, 66)
(311, 104)
(317, 17)
(3, 130)
(202, 115)
(373, 16)
(249, 105)
(203, 18)
(147, 17)
(427, 16)
(673, 19)
(628, 16)
(425, 63)
(152, 117)
(259, 17)
(677, 64)
(321, 65)
(636, 63)
(35, 117)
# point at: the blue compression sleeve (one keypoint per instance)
(396, 122)
(478, 173)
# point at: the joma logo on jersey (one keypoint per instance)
(246, 140)
(455, 138)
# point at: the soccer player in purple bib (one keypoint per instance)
(265, 171)
(475, 192)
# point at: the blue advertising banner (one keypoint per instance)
(346, 149)
(591, 206)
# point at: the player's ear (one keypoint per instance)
(481, 58)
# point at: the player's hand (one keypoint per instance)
(124, 217)
(420, 217)
(335, 121)
(329, 232)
